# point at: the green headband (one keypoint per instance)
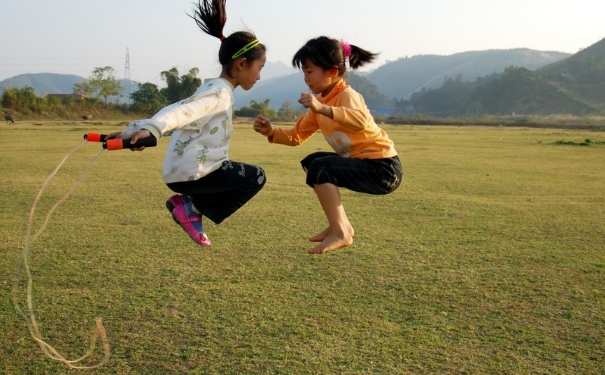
(245, 49)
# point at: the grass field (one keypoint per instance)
(489, 259)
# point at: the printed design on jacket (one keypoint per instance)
(181, 147)
(187, 100)
(227, 127)
(218, 99)
(340, 142)
(202, 155)
(186, 113)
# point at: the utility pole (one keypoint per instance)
(127, 76)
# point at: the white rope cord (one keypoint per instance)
(29, 316)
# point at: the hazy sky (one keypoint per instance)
(75, 36)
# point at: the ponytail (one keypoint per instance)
(211, 16)
(360, 57)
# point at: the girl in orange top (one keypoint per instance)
(364, 160)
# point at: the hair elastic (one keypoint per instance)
(346, 48)
(245, 49)
(222, 38)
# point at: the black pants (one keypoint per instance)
(371, 176)
(219, 194)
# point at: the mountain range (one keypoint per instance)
(405, 76)
(574, 85)
(53, 83)
(401, 78)
(409, 77)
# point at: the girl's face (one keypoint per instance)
(250, 72)
(319, 80)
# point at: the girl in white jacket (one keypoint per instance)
(197, 164)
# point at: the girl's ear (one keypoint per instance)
(241, 63)
(333, 72)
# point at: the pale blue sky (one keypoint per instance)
(75, 36)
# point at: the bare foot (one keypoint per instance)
(322, 236)
(331, 242)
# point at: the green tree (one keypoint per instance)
(255, 109)
(402, 106)
(22, 100)
(371, 95)
(147, 99)
(287, 111)
(83, 88)
(28, 99)
(10, 98)
(179, 88)
(103, 83)
(451, 99)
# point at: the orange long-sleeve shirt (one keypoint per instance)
(352, 133)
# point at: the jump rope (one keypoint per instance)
(22, 262)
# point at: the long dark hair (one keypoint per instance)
(211, 16)
(328, 53)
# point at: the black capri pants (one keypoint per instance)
(224, 191)
(371, 176)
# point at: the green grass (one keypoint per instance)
(488, 260)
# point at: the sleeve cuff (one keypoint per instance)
(153, 131)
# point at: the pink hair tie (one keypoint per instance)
(346, 48)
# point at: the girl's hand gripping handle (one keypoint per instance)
(120, 144)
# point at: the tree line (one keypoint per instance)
(90, 96)
(93, 96)
(516, 91)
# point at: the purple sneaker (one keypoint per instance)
(188, 220)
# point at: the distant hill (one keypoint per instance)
(277, 90)
(576, 79)
(52, 83)
(583, 74)
(44, 83)
(591, 57)
(401, 78)
(575, 85)
(276, 69)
